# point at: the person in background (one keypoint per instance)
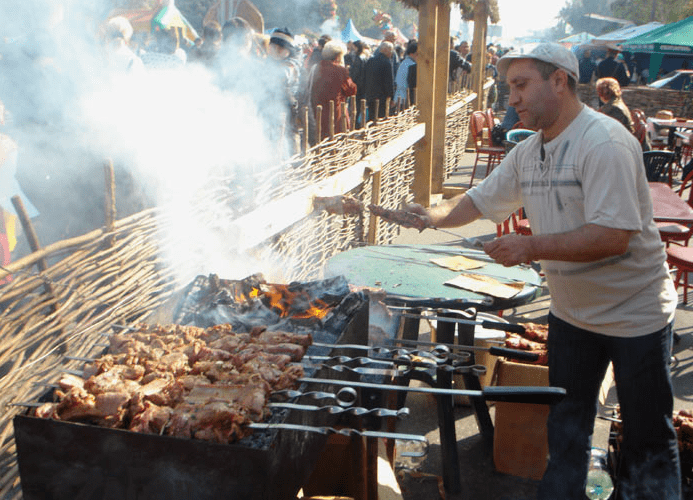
(401, 83)
(165, 52)
(330, 81)
(463, 49)
(391, 37)
(207, 51)
(316, 56)
(609, 67)
(510, 119)
(357, 72)
(282, 54)
(609, 92)
(117, 34)
(379, 80)
(457, 63)
(587, 67)
(582, 183)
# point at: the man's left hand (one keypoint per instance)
(510, 250)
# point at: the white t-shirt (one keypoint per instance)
(593, 173)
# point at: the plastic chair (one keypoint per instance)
(519, 134)
(658, 165)
(485, 152)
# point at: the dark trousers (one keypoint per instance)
(578, 359)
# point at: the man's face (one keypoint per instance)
(278, 52)
(534, 98)
(464, 49)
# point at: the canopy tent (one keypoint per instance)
(576, 39)
(350, 33)
(670, 39)
(623, 34)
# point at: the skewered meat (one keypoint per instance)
(533, 340)
(146, 380)
(400, 217)
(516, 341)
(536, 332)
(339, 205)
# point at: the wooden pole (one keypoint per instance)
(352, 109)
(344, 121)
(377, 111)
(331, 120)
(306, 130)
(364, 110)
(318, 122)
(440, 101)
(388, 102)
(110, 201)
(31, 237)
(479, 53)
(425, 96)
(376, 173)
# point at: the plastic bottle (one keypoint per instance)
(599, 483)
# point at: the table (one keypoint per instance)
(668, 206)
(409, 278)
(406, 274)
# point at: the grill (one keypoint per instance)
(66, 460)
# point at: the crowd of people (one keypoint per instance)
(313, 75)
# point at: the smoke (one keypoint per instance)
(197, 142)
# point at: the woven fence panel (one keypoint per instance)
(456, 135)
(65, 310)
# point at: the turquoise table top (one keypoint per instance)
(406, 273)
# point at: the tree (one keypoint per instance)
(645, 11)
(575, 13)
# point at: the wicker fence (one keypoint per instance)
(116, 275)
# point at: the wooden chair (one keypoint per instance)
(485, 151)
(658, 164)
(671, 232)
(518, 222)
(681, 258)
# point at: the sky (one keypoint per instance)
(520, 18)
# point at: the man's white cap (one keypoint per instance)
(552, 53)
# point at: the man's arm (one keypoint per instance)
(454, 212)
(585, 244)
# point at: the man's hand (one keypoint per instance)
(510, 250)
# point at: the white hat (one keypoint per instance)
(552, 53)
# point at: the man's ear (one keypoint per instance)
(560, 80)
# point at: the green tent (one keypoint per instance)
(670, 39)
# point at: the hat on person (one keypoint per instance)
(552, 53)
(283, 38)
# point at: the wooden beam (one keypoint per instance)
(479, 52)
(442, 73)
(425, 98)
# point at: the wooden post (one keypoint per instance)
(376, 171)
(110, 202)
(440, 101)
(344, 122)
(479, 53)
(388, 102)
(364, 110)
(318, 122)
(352, 109)
(31, 237)
(425, 95)
(377, 111)
(331, 120)
(306, 130)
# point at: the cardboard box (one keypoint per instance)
(520, 443)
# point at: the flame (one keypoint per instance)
(281, 299)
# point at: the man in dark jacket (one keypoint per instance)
(610, 68)
(379, 81)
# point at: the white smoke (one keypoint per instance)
(190, 144)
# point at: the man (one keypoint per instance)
(463, 49)
(581, 181)
(379, 80)
(401, 82)
(609, 67)
(587, 67)
(457, 62)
